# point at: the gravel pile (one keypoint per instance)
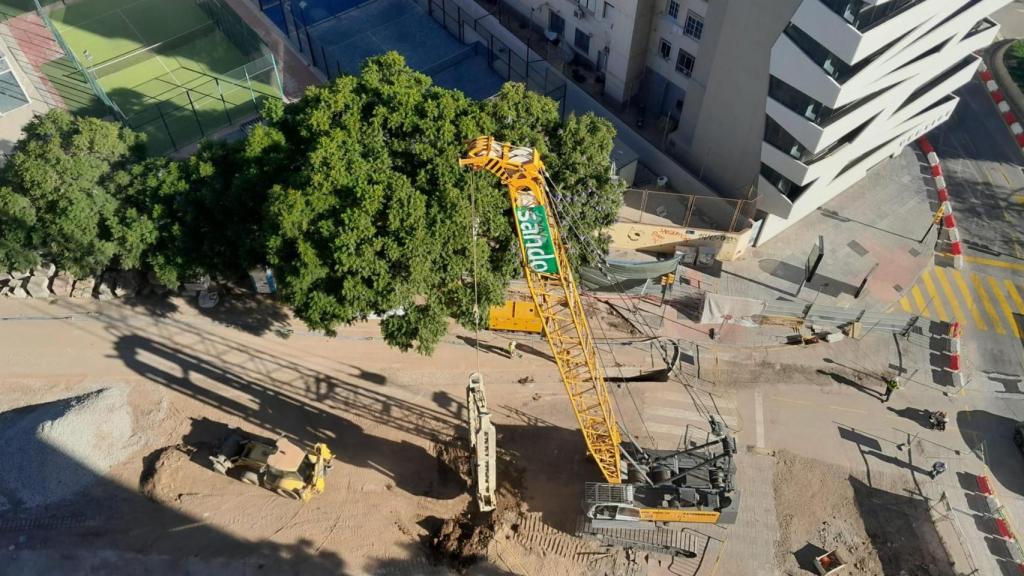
(54, 450)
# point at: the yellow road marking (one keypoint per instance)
(984, 173)
(1004, 305)
(1017, 198)
(994, 262)
(935, 301)
(855, 410)
(959, 279)
(958, 313)
(791, 400)
(906, 305)
(989, 308)
(919, 300)
(1012, 291)
(1005, 177)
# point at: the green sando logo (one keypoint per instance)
(536, 235)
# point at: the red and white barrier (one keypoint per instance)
(953, 348)
(949, 234)
(1001, 519)
(1009, 118)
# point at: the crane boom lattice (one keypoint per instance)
(555, 293)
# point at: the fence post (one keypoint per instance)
(195, 113)
(223, 101)
(170, 136)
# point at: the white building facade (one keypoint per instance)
(798, 98)
(853, 82)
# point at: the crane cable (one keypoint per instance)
(631, 306)
(476, 289)
(611, 351)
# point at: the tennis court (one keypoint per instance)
(176, 70)
(340, 45)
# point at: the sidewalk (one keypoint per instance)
(879, 220)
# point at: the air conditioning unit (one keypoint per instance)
(578, 13)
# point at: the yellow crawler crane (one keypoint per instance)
(554, 293)
(653, 487)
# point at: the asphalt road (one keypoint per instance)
(983, 167)
(982, 164)
(1011, 19)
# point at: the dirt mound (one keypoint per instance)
(876, 527)
(161, 472)
(53, 451)
(463, 540)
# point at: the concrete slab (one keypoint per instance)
(879, 221)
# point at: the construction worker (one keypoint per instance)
(937, 468)
(512, 348)
(891, 385)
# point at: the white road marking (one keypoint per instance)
(759, 417)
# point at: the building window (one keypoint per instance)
(556, 24)
(684, 63)
(694, 26)
(582, 41)
(673, 9)
(778, 137)
(787, 187)
(664, 49)
(606, 10)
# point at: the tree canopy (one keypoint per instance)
(375, 213)
(353, 194)
(60, 197)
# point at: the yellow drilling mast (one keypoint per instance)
(655, 486)
(555, 294)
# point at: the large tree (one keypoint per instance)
(370, 212)
(60, 181)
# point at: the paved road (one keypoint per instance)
(983, 168)
(1011, 19)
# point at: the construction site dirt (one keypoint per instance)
(161, 385)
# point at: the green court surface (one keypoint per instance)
(169, 69)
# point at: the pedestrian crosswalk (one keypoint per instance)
(978, 301)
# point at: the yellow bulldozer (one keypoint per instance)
(278, 465)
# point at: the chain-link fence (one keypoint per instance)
(686, 210)
(513, 65)
(191, 109)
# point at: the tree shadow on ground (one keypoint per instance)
(250, 313)
(901, 531)
(136, 535)
(990, 438)
(282, 413)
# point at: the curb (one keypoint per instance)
(999, 99)
(949, 243)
